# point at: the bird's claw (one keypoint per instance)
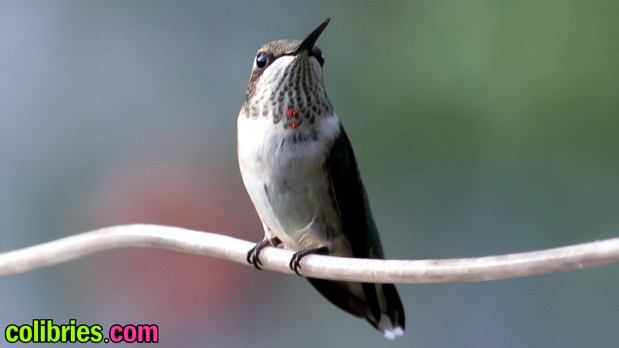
(295, 262)
(253, 255)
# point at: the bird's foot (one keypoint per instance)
(296, 258)
(253, 255)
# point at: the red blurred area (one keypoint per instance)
(177, 291)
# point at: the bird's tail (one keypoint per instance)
(379, 304)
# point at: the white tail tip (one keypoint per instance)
(393, 333)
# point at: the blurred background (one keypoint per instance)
(480, 128)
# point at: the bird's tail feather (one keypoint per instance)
(379, 304)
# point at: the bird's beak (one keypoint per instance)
(310, 40)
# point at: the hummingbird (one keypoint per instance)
(300, 172)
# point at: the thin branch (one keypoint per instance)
(328, 267)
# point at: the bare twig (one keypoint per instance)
(385, 271)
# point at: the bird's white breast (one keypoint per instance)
(287, 180)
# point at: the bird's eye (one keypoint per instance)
(261, 60)
(317, 53)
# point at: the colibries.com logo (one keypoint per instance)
(46, 331)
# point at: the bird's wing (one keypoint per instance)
(351, 200)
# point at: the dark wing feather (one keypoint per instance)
(352, 201)
(358, 226)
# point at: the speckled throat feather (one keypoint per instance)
(291, 88)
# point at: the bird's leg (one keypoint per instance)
(296, 258)
(253, 255)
